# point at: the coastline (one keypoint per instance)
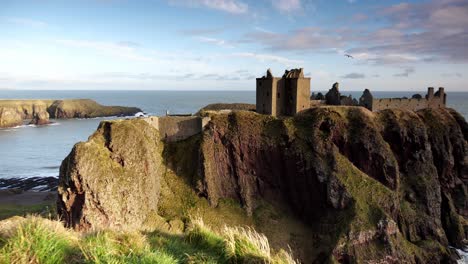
(32, 184)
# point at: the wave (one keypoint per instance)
(10, 129)
(141, 114)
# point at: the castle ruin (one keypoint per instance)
(287, 95)
(290, 94)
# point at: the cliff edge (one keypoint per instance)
(336, 184)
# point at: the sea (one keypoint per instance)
(37, 151)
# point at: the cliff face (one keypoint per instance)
(9, 117)
(39, 111)
(334, 183)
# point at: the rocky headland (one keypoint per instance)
(13, 112)
(335, 184)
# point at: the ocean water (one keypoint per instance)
(30, 151)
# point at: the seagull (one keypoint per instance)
(349, 56)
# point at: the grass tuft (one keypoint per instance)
(38, 241)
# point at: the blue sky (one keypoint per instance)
(225, 44)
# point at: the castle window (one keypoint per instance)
(278, 95)
(268, 93)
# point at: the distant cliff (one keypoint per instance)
(12, 112)
(334, 183)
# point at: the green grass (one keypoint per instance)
(38, 240)
(44, 209)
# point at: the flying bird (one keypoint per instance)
(349, 56)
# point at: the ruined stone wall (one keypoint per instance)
(266, 88)
(401, 103)
(303, 94)
(174, 128)
(412, 104)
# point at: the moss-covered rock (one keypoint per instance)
(113, 179)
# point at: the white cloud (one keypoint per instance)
(215, 41)
(230, 6)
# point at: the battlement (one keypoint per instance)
(175, 128)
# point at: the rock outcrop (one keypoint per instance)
(39, 111)
(337, 184)
(9, 117)
(40, 117)
(112, 180)
(333, 96)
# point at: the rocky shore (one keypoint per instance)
(39, 184)
(14, 112)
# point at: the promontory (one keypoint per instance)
(14, 112)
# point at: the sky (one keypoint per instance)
(226, 44)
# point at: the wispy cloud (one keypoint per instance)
(130, 44)
(123, 49)
(215, 41)
(354, 75)
(200, 31)
(286, 5)
(26, 22)
(268, 58)
(308, 38)
(229, 6)
(405, 73)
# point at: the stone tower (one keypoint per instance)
(283, 96)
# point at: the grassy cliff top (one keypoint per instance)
(67, 108)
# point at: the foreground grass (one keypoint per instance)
(38, 240)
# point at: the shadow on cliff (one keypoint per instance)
(253, 160)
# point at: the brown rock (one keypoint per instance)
(40, 118)
(9, 117)
(333, 96)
